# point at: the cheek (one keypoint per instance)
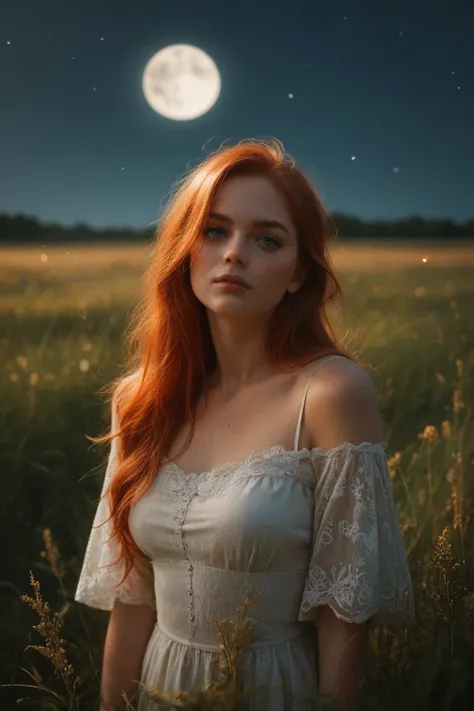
(197, 262)
(201, 257)
(276, 274)
(201, 267)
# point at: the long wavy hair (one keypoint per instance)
(159, 390)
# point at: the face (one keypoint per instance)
(250, 234)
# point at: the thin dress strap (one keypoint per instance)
(300, 417)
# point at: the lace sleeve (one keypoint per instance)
(97, 585)
(358, 564)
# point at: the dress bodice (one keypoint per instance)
(217, 537)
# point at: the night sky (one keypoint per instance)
(374, 99)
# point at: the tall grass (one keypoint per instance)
(416, 335)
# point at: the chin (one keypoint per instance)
(224, 309)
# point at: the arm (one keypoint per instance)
(342, 655)
(128, 632)
(342, 407)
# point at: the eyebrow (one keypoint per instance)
(256, 223)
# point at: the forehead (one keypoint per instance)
(251, 198)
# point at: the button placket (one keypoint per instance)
(184, 491)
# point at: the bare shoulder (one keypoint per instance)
(341, 406)
(124, 390)
(129, 382)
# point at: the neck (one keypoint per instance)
(240, 352)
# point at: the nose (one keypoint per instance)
(235, 250)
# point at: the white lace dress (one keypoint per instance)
(303, 528)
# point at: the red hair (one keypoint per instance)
(160, 391)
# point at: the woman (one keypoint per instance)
(247, 455)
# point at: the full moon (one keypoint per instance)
(181, 82)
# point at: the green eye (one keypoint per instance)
(213, 229)
(276, 242)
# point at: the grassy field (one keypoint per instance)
(408, 313)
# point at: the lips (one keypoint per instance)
(232, 279)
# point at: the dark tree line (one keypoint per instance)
(21, 229)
